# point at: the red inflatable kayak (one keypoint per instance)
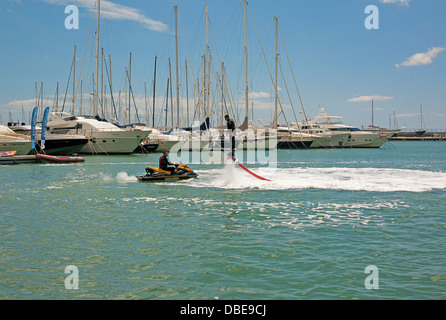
(59, 159)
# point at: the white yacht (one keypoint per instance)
(330, 139)
(357, 137)
(23, 128)
(11, 141)
(104, 137)
(165, 141)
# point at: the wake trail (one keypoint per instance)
(353, 179)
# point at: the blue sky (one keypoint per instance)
(338, 64)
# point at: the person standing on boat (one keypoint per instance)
(231, 127)
(165, 164)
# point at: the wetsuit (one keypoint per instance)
(165, 164)
(231, 126)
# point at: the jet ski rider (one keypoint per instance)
(166, 165)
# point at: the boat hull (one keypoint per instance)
(162, 177)
(285, 143)
(113, 142)
(372, 143)
(146, 147)
(167, 145)
(260, 144)
(330, 141)
(63, 145)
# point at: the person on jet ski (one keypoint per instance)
(166, 165)
(231, 127)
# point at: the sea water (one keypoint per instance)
(326, 218)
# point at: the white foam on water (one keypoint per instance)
(353, 179)
(105, 177)
(121, 177)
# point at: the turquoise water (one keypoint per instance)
(308, 234)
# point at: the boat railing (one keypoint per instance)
(91, 131)
(14, 136)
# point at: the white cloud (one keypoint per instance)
(16, 105)
(369, 98)
(407, 115)
(259, 95)
(115, 11)
(422, 58)
(401, 2)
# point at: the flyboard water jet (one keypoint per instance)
(234, 159)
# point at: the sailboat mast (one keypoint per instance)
(153, 105)
(246, 63)
(222, 92)
(394, 121)
(82, 96)
(275, 81)
(421, 116)
(146, 104)
(96, 97)
(112, 105)
(171, 94)
(74, 79)
(41, 97)
(176, 63)
(167, 101)
(125, 96)
(102, 84)
(187, 97)
(130, 84)
(57, 96)
(208, 63)
(372, 112)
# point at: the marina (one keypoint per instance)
(227, 234)
(222, 151)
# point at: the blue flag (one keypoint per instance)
(44, 121)
(33, 129)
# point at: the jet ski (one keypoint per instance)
(182, 171)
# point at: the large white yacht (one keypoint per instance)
(104, 137)
(357, 137)
(11, 141)
(330, 139)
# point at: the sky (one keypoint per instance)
(330, 53)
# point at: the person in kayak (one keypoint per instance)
(165, 164)
(231, 127)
